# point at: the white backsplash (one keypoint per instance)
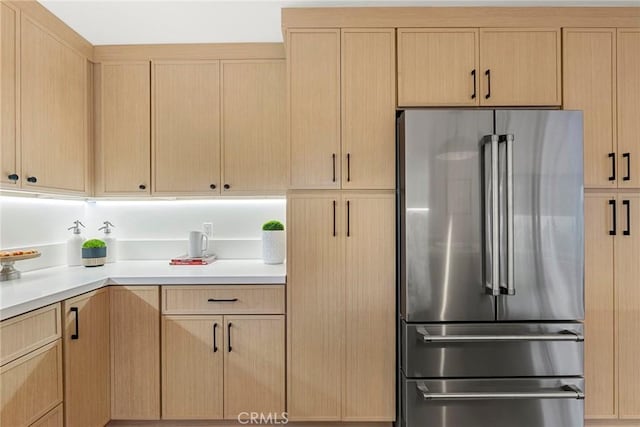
(149, 230)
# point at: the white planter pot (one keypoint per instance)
(273, 247)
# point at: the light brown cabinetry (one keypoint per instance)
(628, 84)
(9, 51)
(53, 418)
(53, 114)
(86, 359)
(134, 325)
(344, 370)
(186, 128)
(123, 128)
(254, 139)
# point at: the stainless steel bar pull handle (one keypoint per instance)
(564, 335)
(493, 286)
(511, 288)
(565, 392)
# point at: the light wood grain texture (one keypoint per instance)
(186, 127)
(9, 149)
(313, 61)
(628, 84)
(230, 423)
(254, 370)
(123, 133)
(435, 67)
(22, 334)
(315, 306)
(589, 83)
(258, 299)
(525, 66)
(192, 372)
(254, 140)
(368, 108)
(369, 281)
(627, 250)
(458, 17)
(53, 92)
(54, 418)
(86, 360)
(135, 352)
(188, 51)
(31, 385)
(600, 366)
(54, 25)
(611, 423)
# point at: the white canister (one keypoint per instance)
(273, 246)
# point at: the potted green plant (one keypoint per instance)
(273, 242)
(94, 253)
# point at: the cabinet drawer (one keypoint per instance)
(52, 419)
(27, 332)
(241, 299)
(31, 386)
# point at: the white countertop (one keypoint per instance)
(38, 288)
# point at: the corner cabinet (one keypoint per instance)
(341, 286)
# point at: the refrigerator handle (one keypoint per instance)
(493, 258)
(563, 392)
(511, 288)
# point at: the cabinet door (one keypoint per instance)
(627, 251)
(315, 306)
(86, 359)
(600, 369)
(186, 128)
(54, 418)
(135, 352)
(192, 363)
(53, 96)
(589, 85)
(123, 128)
(313, 60)
(629, 108)
(253, 365)
(519, 67)
(254, 140)
(368, 109)
(10, 172)
(370, 278)
(438, 67)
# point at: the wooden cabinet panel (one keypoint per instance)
(369, 383)
(31, 385)
(192, 367)
(9, 152)
(600, 369)
(135, 352)
(53, 92)
(627, 250)
(86, 359)
(629, 108)
(223, 299)
(313, 60)
(186, 128)
(315, 306)
(524, 66)
(368, 108)
(123, 128)
(53, 419)
(589, 85)
(254, 140)
(438, 67)
(254, 359)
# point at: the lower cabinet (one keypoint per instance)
(86, 359)
(53, 418)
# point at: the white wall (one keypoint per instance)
(155, 229)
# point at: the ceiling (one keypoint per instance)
(206, 21)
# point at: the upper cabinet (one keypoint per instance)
(9, 152)
(123, 128)
(628, 85)
(186, 128)
(342, 108)
(54, 113)
(254, 141)
(470, 67)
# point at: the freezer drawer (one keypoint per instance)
(539, 402)
(492, 350)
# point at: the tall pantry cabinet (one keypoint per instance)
(341, 221)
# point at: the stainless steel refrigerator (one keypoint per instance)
(491, 268)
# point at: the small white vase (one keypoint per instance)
(273, 246)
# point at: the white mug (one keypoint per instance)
(198, 244)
